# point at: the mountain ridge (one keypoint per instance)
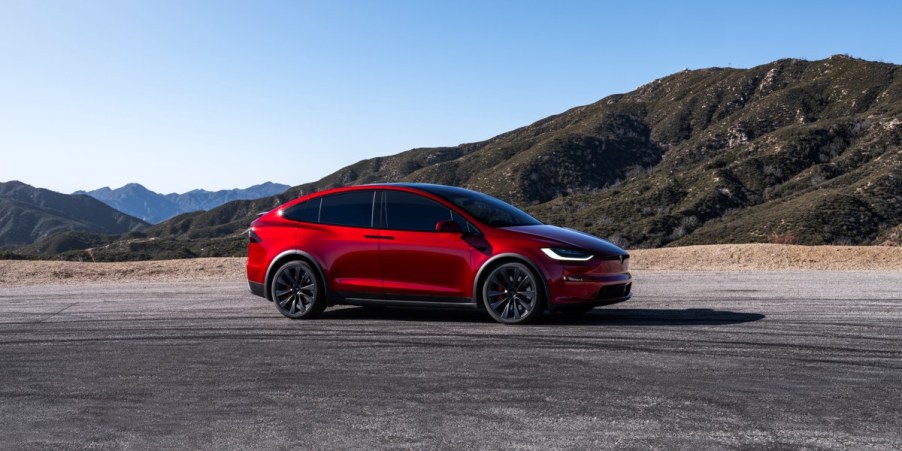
(805, 152)
(136, 200)
(29, 214)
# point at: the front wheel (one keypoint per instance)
(296, 291)
(511, 294)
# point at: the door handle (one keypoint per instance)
(379, 237)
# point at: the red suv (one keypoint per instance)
(411, 244)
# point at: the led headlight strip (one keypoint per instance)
(567, 254)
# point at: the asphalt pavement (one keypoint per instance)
(694, 360)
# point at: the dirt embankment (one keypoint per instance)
(23, 272)
(729, 257)
(738, 257)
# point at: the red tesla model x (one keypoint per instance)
(411, 244)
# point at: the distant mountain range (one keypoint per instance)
(794, 151)
(153, 207)
(29, 214)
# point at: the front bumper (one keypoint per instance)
(591, 289)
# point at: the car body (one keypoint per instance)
(409, 244)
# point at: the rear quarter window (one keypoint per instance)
(304, 211)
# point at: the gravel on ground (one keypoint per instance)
(719, 257)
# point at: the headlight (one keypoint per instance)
(558, 253)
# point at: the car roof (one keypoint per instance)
(427, 187)
(421, 187)
(409, 185)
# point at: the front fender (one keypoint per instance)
(543, 278)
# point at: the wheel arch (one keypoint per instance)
(291, 255)
(499, 259)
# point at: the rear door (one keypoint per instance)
(416, 260)
(347, 243)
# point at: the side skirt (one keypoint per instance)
(405, 301)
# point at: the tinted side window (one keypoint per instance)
(354, 209)
(406, 211)
(304, 211)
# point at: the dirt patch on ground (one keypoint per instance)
(20, 272)
(737, 257)
(730, 257)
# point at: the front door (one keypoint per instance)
(416, 260)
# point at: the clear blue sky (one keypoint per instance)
(178, 95)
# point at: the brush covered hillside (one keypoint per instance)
(804, 152)
(29, 214)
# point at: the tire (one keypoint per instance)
(297, 291)
(512, 294)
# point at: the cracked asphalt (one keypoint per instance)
(799, 359)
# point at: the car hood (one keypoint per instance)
(570, 238)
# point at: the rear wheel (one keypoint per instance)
(511, 294)
(296, 291)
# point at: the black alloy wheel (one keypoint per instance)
(512, 294)
(296, 291)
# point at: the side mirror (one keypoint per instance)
(448, 227)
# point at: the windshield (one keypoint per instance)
(483, 207)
